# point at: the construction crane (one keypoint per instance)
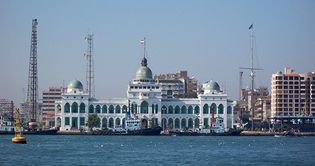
(32, 90)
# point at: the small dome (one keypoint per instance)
(143, 73)
(75, 85)
(211, 86)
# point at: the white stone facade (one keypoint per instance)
(144, 102)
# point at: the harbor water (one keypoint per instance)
(157, 150)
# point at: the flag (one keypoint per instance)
(251, 26)
(142, 41)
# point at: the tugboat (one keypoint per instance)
(133, 127)
(18, 139)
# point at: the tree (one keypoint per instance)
(93, 121)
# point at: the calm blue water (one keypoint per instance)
(158, 150)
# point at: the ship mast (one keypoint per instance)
(252, 74)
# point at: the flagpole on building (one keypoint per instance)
(144, 46)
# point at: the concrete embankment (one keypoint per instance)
(267, 133)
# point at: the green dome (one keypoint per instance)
(143, 73)
(211, 86)
(75, 84)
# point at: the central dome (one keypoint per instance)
(75, 85)
(211, 86)
(143, 73)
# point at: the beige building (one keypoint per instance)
(48, 105)
(292, 94)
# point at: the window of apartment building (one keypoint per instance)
(291, 78)
(279, 78)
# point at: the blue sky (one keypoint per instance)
(210, 39)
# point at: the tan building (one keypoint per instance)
(48, 105)
(292, 94)
(184, 86)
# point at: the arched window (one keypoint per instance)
(58, 122)
(74, 107)
(156, 108)
(177, 110)
(197, 110)
(153, 107)
(124, 109)
(123, 124)
(58, 108)
(111, 123)
(134, 108)
(170, 109)
(91, 109)
(104, 109)
(98, 109)
(221, 108)
(190, 123)
(104, 123)
(164, 123)
(213, 108)
(177, 123)
(164, 109)
(206, 109)
(82, 108)
(117, 110)
(144, 107)
(183, 123)
(67, 108)
(229, 110)
(99, 124)
(197, 123)
(111, 109)
(184, 110)
(190, 110)
(117, 123)
(170, 123)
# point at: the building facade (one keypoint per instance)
(179, 83)
(144, 101)
(48, 105)
(292, 94)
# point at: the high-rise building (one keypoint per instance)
(48, 105)
(6, 109)
(261, 105)
(178, 85)
(293, 94)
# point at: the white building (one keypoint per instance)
(144, 101)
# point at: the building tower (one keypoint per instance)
(90, 86)
(32, 90)
(252, 74)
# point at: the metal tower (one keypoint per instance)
(252, 73)
(90, 86)
(32, 90)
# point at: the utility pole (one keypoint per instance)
(252, 74)
(32, 90)
(90, 84)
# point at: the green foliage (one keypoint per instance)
(93, 121)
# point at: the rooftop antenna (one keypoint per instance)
(32, 89)
(90, 67)
(252, 72)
